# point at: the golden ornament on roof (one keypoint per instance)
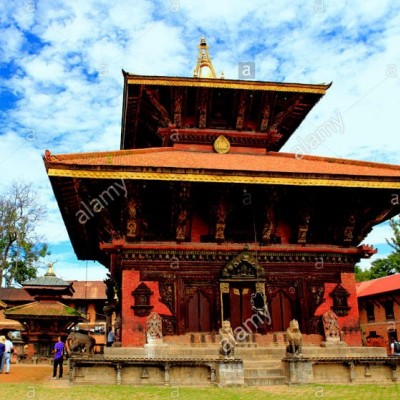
(222, 145)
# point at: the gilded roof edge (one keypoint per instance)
(190, 177)
(227, 84)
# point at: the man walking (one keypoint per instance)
(6, 360)
(58, 358)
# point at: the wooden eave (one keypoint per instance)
(273, 109)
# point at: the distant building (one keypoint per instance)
(379, 308)
(88, 298)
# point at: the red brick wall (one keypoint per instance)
(350, 323)
(134, 327)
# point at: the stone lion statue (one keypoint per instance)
(294, 338)
(226, 340)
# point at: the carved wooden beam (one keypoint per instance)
(265, 114)
(241, 110)
(288, 108)
(178, 108)
(163, 113)
(202, 108)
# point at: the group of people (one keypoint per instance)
(6, 350)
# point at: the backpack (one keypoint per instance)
(397, 347)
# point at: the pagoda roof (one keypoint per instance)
(48, 285)
(182, 164)
(271, 110)
(378, 286)
(47, 281)
(40, 309)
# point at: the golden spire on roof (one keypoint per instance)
(204, 67)
(50, 271)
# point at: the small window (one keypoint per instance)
(389, 310)
(370, 312)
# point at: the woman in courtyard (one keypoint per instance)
(2, 350)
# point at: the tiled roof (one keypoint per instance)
(48, 309)
(167, 157)
(12, 295)
(6, 323)
(381, 285)
(93, 290)
(46, 281)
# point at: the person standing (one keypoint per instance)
(110, 337)
(2, 351)
(6, 360)
(58, 358)
(394, 348)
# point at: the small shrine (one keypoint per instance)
(47, 317)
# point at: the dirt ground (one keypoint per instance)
(25, 373)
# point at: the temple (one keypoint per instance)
(200, 217)
(45, 318)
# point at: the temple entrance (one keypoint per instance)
(242, 289)
(198, 313)
(240, 296)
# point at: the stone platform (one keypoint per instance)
(251, 366)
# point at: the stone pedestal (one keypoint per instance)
(299, 371)
(154, 348)
(231, 373)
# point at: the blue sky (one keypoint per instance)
(61, 81)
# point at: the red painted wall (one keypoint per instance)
(350, 323)
(133, 327)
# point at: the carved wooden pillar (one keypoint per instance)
(348, 233)
(132, 212)
(221, 221)
(269, 228)
(223, 289)
(303, 228)
(182, 225)
(202, 108)
(178, 108)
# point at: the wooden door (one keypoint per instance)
(281, 311)
(240, 304)
(198, 313)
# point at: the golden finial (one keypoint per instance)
(204, 67)
(50, 271)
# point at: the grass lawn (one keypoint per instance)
(62, 391)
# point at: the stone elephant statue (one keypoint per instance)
(78, 342)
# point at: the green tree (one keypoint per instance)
(384, 266)
(394, 242)
(21, 248)
(362, 274)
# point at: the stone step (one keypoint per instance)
(260, 352)
(262, 364)
(262, 372)
(270, 381)
(211, 351)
